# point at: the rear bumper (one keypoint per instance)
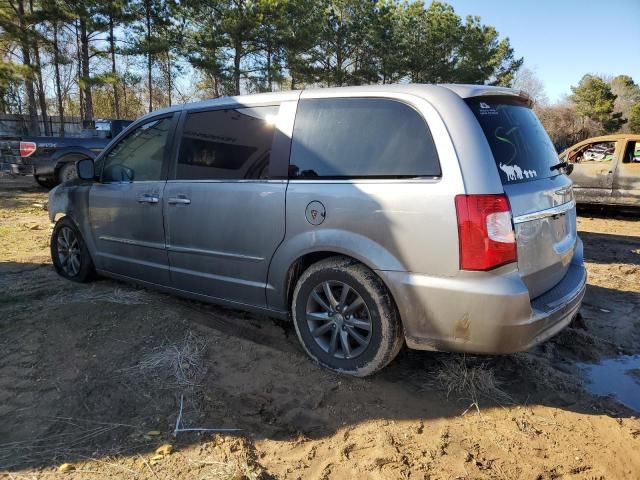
(489, 314)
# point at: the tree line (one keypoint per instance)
(597, 105)
(123, 58)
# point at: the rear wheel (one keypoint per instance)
(345, 317)
(67, 172)
(69, 253)
(45, 182)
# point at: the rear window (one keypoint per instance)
(521, 148)
(361, 138)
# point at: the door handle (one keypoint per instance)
(179, 200)
(148, 198)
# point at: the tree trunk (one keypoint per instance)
(56, 66)
(86, 87)
(34, 126)
(114, 72)
(39, 84)
(81, 96)
(41, 96)
(236, 65)
(269, 75)
(149, 55)
(169, 77)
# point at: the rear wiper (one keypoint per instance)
(559, 166)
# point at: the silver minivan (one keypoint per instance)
(436, 215)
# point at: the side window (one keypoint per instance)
(359, 138)
(227, 144)
(599, 152)
(632, 155)
(138, 156)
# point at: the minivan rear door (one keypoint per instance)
(541, 197)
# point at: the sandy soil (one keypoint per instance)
(94, 376)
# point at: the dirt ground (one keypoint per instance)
(96, 376)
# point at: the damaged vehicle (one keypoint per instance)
(606, 170)
(432, 215)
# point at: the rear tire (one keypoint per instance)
(45, 182)
(67, 172)
(345, 318)
(69, 254)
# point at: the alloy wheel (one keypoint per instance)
(338, 319)
(68, 251)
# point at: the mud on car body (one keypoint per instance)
(435, 215)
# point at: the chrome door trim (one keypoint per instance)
(127, 241)
(214, 253)
(549, 212)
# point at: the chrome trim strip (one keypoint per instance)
(549, 212)
(214, 253)
(128, 241)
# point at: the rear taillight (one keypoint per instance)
(27, 148)
(485, 232)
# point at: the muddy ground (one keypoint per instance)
(94, 376)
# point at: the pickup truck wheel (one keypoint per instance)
(345, 318)
(67, 172)
(45, 182)
(70, 256)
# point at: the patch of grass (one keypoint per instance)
(175, 365)
(457, 376)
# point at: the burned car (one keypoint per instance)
(606, 170)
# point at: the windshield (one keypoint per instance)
(520, 145)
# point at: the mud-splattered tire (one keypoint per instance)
(345, 318)
(69, 254)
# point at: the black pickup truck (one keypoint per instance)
(51, 160)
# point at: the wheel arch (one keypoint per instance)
(289, 262)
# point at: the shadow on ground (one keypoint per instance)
(101, 370)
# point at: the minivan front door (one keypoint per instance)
(125, 207)
(224, 207)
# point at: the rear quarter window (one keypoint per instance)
(361, 138)
(521, 147)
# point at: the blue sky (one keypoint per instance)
(562, 40)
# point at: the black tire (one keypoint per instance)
(46, 182)
(66, 241)
(67, 172)
(383, 337)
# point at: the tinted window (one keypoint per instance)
(139, 155)
(520, 145)
(358, 137)
(227, 144)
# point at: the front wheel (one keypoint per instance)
(345, 317)
(69, 254)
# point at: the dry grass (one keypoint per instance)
(175, 366)
(59, 447)
(469, 382)
(92, 295)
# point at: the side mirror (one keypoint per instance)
(86, 169)
(569, 168)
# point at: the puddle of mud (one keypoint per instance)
(618, 377)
